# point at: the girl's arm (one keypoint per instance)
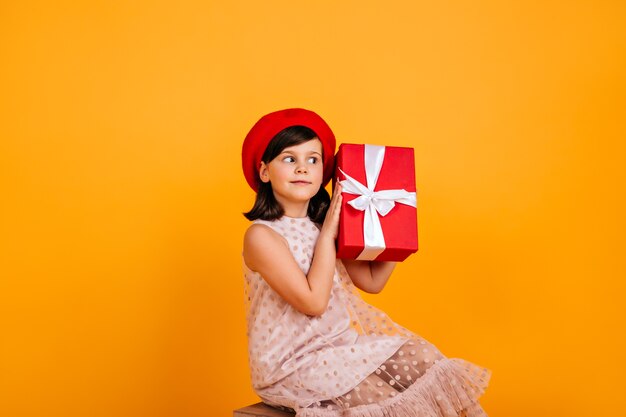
(267, 253)
(369, 276)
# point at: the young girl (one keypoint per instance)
(315, 346)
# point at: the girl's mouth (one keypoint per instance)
(301, 182)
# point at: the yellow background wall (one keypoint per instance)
(121, 125)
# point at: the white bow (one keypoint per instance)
(374, 203)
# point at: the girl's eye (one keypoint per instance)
(311, 159)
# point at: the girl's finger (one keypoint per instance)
(337, 191)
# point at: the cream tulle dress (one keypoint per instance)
(353, 360)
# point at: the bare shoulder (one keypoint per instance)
(260, 241)
(258, 234)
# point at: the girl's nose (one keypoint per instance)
(301, 169)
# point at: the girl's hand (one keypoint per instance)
(331, 222)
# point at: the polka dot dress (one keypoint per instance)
(353, 359)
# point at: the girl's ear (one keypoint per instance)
(263, 172)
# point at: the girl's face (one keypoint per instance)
(296, 174)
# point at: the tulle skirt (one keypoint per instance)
(417, 381)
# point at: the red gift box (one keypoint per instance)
(395, 236)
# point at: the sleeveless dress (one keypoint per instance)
(352, 360)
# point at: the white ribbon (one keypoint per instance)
(374, 203)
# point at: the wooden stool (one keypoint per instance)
(261, 410)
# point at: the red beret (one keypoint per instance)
(269, 126)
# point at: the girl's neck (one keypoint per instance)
(295, 214)
(295, 210)
(297, 218)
